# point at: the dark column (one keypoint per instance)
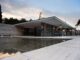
(0, 15)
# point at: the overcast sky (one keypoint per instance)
(67, 10)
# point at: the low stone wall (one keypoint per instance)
(8, 30)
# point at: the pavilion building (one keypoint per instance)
(51, 26)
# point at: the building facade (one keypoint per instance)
(51, 26)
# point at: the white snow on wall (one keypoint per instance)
(69, 50)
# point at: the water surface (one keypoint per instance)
(25, 44)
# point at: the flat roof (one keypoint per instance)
(50, 20)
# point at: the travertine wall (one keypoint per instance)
(8, 30)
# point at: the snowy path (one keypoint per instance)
(69, 50)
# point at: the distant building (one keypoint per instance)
(51, 26)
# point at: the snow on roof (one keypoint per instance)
(50, 20)
(30, 24)
(69, 50)
(56, 21)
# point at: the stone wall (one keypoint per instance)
(8, 30)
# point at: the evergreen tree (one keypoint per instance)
(78, 23)
(23, 20)
(13, 20)
(0, 15)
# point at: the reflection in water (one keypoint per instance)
(22, 44)
(6, 55)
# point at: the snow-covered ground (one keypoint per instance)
(68, 50)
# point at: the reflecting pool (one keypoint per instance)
(25, 44)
